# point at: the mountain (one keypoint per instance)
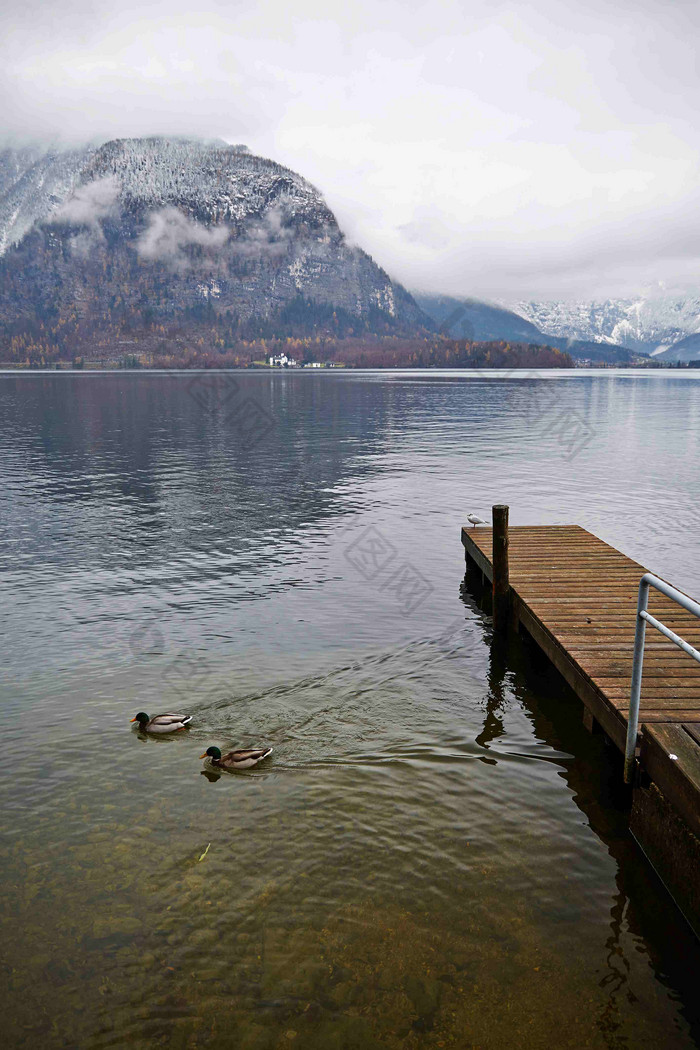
(139, 232)
(172, 245)
(474, 319)
(33, 184)
(649, 325)
(684, 350)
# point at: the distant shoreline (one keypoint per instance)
(113, 367)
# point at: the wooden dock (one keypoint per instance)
(577, 597)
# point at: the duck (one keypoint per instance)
(475, 520)
(169, 723)
(236, 759)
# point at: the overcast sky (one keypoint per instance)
(492, 149)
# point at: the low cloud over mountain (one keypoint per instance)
(158, 227)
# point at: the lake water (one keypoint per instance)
(436, 855)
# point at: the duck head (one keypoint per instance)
(141, 718)
(212, 752)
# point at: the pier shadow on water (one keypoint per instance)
(642, 916)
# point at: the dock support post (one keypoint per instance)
(501, 581)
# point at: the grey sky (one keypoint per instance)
(494, 149)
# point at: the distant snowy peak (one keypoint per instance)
(649, 325)
(474, 319)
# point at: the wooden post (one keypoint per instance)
(501, 582)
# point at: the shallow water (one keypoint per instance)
(436, 854)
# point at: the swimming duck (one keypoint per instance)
(236, 759)
(162, 723)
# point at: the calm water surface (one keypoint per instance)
(436, 855)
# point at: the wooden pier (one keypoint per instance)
(577, 597)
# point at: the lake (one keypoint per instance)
(437, 852)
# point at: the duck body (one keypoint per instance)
(244, 759)
(169, 723)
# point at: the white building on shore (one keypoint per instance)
(282, 361)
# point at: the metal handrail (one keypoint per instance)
(644, 618)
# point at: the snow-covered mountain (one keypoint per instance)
(650, 325)
(33, 184)
(165, 224)
(474, 319)
(120, 238)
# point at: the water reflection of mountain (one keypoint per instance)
(167, 462)
(173, 462)
(204, 460)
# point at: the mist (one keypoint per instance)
(90, 203)
(169, 232)
(496, 150)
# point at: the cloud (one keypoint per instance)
(494, 149)
(169, 232)
(89, 204)
(268, 237)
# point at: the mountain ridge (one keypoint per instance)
(651, 325)
(127, 236)
(469, 318)
(155, 227)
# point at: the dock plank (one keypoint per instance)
(578, 596)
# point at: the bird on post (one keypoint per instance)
(475, 520)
